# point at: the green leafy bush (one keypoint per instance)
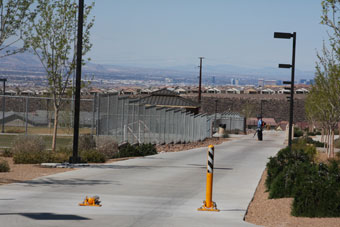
(86, 142)
(297, 132)
(108, 147)
(308, 140)
(337, 143)
(147, 149)
(226, 134)
(7, 153)
(4, 166)
(283, 169)
(318, 195)
(92, 156)
(140, 150)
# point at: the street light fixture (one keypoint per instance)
(283, 35)
(75, 158)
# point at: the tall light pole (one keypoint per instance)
(200, 81)
(282, 35)
(75, 158)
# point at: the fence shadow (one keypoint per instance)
(49, 216)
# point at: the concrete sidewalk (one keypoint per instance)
(160, 190)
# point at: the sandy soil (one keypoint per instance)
(276, 212)
(23, 172)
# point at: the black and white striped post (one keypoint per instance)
(208, 204)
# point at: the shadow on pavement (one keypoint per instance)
(74, 181)
(49, 216)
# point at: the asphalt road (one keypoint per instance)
(160, 190)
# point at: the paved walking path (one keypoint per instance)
(160, 190)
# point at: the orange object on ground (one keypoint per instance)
(91, 201)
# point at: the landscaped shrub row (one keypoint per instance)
(309, 140)
(4, 166)
(31, 150)
(315, 187)
(139, 150)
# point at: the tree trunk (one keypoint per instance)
(323, 135)
(332, 146)
(54, 138)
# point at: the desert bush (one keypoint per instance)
(337, 143)
(284, 169)
(147, 149)
(62, 154)
(29, 150)
(28, 144)
(7, 153)
(128, 151)
(86, 142)
(108, 147)
(4, 166)
(139, 150)
(318, 195)
(92, 156)
(297, 132)
(225, 134)
(308, 140)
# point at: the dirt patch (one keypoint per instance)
(24, 172)
(276, 212)
(181, 147)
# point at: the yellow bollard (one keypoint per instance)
(208, 204)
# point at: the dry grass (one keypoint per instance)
(44, 130)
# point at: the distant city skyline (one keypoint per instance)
(160, 34)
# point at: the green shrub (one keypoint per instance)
(225, 134)
(337, 143)
(7, 153)
(4, 166)
(108, 147)
(147, 149)
(297, 132)
(318, 195)
(92, 156)
(61, 155)
(139, 150)
(86, 142)
(129, 151)
(308, 140)
(283, 169)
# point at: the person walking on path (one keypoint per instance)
(259, 128)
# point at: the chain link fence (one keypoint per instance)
(123, 118)
(127, 120)
(35, 115)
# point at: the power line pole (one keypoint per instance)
(200, 81)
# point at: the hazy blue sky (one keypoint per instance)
(176, 32)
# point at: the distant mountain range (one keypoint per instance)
(28, 62)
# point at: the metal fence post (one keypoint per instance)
(93, 113)
(26, 116)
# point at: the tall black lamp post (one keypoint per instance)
(3, 103)
(75, 158)
(282, 35)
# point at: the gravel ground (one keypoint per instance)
(276, 212)
(23, 172)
